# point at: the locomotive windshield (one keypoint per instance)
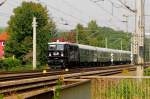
(56, 47)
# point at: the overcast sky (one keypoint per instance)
(82, 11)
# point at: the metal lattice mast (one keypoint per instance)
(138, 37)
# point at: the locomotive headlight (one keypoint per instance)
(50, 54)
(62, 54)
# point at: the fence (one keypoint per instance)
(120, 87)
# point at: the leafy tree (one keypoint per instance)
(82, 34)
(96, 36)
(92, 26)
(1, 30)
(20, 31)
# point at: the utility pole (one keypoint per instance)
(139, 35)
(140, 31)
(34, 25)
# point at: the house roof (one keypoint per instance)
(3, 36)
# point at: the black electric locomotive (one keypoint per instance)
(62, 54)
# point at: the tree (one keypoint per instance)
(20, 31)
(2, 30)
(82, 34)
(92, 27)
(96, 36)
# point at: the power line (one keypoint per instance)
(106, 11)
(127, 6)
(115, 5)
(70, 15)
(100, 6)
(2, 2)
(71, 6)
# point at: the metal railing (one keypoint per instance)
(120, 87)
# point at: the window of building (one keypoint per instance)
(3, 43)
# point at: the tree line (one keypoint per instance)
(99, 36)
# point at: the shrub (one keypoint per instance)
(9, 63)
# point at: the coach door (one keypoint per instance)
(73, 53)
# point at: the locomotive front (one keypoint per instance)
(56, 55)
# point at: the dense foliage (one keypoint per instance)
(98, 36)
(102, 36)
(9, 63)
(1, 30)
(20, 31)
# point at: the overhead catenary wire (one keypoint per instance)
(127, 7)
(115, 5)
(77, 9)
(73, 7)
(67, 14)
(106, 11)
(1, 3)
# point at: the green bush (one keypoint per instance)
(9, 63)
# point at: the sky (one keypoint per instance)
(73, 12)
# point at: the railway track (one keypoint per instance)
(16, 76)
(35, 81)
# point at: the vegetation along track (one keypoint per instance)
(25, 83)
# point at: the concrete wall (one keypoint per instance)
(75, 89)
(80, 91)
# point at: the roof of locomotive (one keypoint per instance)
(60, 43)
(93, 47)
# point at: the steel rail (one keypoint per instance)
(23, 85)
(8, 77)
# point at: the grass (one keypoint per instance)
(1, 96)
(129, 89)
(23, 68)
(57, 91)
(121, 89)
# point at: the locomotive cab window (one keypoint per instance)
(56, 47)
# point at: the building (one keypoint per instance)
(3, 39)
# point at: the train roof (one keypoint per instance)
(59, 43)
(86, 47)
(93, 47)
